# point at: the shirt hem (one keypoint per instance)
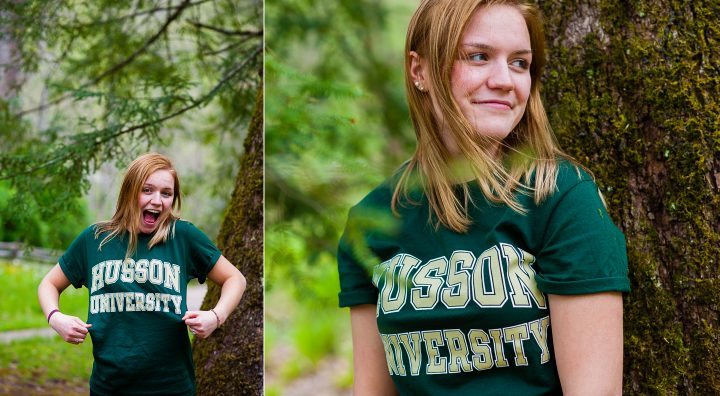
(348, 299)
(620, 284)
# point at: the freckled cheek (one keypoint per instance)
(522, 89)
(463, 81)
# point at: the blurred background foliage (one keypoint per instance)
(85, 87)
(336, 126)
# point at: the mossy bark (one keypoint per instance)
(230, 361)
(633, 92)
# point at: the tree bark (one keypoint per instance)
(11, 75)
(230, 361)
(633, 92)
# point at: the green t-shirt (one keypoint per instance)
(467, 314)
(140, 343)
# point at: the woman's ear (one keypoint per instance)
(417, 71)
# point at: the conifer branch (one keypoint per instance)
(109, 137)
(118, 66)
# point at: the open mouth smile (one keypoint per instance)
(150, 216)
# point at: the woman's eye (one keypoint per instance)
(477, 57)
(521, 63)
(145, 190)
(166, 194)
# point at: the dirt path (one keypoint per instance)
(12, 384)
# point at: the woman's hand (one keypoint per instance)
(201, 323)
(71, 328)
(232, 285)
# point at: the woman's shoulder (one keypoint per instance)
(184, 227)
(571, 173)
(93, 231)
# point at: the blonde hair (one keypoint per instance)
(126, 219)
(434, 34)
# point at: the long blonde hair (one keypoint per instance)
(126, 219)
(434, 34)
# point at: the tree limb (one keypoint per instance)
(117, 66)
(245, 33)
(133, 15)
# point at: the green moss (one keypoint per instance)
(637, 100)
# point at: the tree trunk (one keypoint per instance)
(230, 361)
(11, 75)
(633, 92)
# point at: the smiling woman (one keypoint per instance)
(137, 266)
(487, 264)
(156, 198)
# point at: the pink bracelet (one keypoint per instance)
(51, 314)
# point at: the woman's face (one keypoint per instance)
(155, 198)
(491, 79)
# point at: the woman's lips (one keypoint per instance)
(495, 104)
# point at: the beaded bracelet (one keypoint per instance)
(51, 314)
(216, 316)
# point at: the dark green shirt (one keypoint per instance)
(467, 314)
(140, 343)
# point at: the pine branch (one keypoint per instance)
(117, 67)
(105, 139)
(244, 33)
(130, 16)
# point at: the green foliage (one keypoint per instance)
(328, 142)
(27, 222)
(336, 126)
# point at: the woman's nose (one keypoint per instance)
(499, 77)
(155, 198)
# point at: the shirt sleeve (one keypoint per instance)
(356, 285)
(583, 251)
(74, 261)
(201, 250)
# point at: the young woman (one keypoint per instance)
(456, 266)
(137, 266)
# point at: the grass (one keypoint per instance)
(19, 308)
(43, 361)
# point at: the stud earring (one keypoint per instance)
(419, 86)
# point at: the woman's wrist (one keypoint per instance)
(50, 315)
(217, 317)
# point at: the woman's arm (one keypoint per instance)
(587, 333)
(71, 328)
(232, 286)
(372, 376)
